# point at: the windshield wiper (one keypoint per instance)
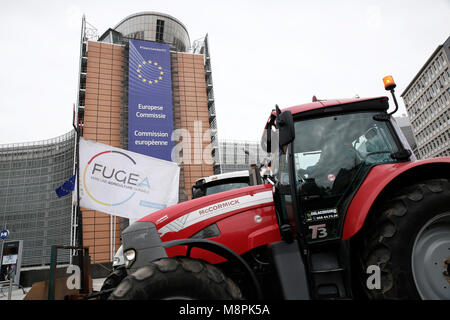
(403, 154)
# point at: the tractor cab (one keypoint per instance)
(331, 153)
(323, 152)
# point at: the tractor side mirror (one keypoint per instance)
(198, 189)
(266, 139)
(197, 193)
(285, 124)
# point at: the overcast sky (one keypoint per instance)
(262, 53)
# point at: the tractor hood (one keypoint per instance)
(187, 218)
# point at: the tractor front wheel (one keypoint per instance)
(113, 280)
(408, 239)
(178, 278)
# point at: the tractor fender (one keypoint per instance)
(379, 178)
(143, 237)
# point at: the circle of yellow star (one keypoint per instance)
(151, 64)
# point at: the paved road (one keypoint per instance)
(19, 294)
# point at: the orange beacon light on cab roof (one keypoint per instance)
(389, 83)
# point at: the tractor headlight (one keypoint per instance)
(130, 257)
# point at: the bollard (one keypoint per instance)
(10, 288)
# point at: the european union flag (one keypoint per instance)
(66, 188)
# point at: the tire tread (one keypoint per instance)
(178, 276)
(381, 239)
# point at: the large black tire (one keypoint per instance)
(177, 278)
(113, 280)
(389, 237)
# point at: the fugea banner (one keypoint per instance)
(150, 117)
(125, 183)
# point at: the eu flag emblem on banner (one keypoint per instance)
(66, 188)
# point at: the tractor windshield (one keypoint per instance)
(328, 151)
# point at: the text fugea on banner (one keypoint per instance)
(125, 183)
(150, 118)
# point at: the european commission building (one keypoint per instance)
(119, 95)
(29, 207)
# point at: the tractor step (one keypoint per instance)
(328, 270)
(327, 275)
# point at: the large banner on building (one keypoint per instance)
(125, 183)
(150, 118)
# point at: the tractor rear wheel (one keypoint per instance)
(178, 278)
(409, 240)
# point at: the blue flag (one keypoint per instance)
(66, 188)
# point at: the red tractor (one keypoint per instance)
(348, 213)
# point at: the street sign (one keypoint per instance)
(4, 234)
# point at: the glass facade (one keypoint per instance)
(29, 207)
(154, 26)
(405, 126)
(240, 155)
(201, 46)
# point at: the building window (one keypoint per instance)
(159, 30)
(441, 58)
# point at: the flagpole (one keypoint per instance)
(79, 220)
(82, 259)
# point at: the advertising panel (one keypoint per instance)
(11, 260)
(150, 118)
(125, 183)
